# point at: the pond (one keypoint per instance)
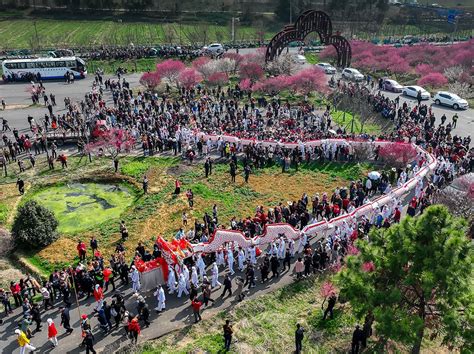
(82, 206)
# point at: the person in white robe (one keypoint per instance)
(201, 266)
(135, 277)
(171, 281)
(182, 285)
(230, 261)
(194, 277)
(215, 276)
(241, 259)
(303, 240)
(160, 298)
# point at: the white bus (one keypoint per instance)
(43, 68)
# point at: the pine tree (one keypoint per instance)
(414, 276)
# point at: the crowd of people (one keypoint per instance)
(170, 122)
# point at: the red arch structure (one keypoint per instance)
(310, 21)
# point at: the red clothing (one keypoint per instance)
(52, 331)
(81, 248)
(98, 294)
(107, 273)
(15, 288)
(196, 305)
(134, 326)
(177, 184)
(397, 215)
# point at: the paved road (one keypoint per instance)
(16, 95)
(177, 315)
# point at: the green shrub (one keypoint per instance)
(34, 225)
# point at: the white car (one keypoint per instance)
(352, 74)
(412, 91)
(299, 59)
(214, 48)
(450, 99)
(328, 68)
(391, 85)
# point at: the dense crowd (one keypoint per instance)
(167, 122)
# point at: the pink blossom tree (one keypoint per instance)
(199, 62)
(189, 78)
(309, 80)
(245, 84)
(237, 59)
(397, 154)
(252, 71)
(150, 80)
(433, 79)
(170, 70)
(327, 289)
(217, 79)
(111, 142)
(273, 84)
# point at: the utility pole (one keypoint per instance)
(234, 19)
(291, 12)
(36, 33)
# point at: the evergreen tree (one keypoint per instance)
(416, 275)
(34, 225)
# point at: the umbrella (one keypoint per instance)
(374, 175)
(332, 131)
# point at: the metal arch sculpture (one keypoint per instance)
(310, 21)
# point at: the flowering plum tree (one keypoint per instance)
(150, 80)
(397, 154)
(111, 142)
(170, 70)
(309, 80)
(217, 79)
(189, 78)
(433, 79)
(252, 71)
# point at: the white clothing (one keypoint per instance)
(215, 276)
(194, 277)
(171, 281)
(182, 285)
(161, 298)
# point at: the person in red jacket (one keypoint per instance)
(177, 185)
(98, 295)
(16, 292)
(52, 332)
(397, 214)
(196, 305)
(134, 329)
(81, 250)
(108, 278)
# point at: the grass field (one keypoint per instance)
(19, 33)
(267, 324)
(90, 209)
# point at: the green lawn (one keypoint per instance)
(81, 206)
(20, 33)
(346, 121)
(267, 324)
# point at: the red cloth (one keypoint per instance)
(134, 326)
(52, 331)
(107, 273)
(15, 288)
(81, 248)
(196, 305)
(98, 294)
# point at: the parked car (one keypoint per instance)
(412, 91)
(352, 74)
(214, 48)
(391, 85)
(328, 68)
(450, 99)
(299, 59)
